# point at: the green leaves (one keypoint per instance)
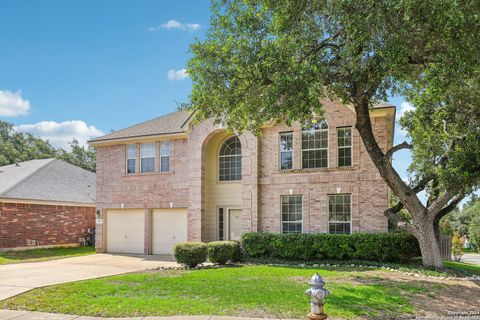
(18, 147)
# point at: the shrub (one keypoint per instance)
(392, 247)
(456, 247)
(223, 251)
(191, 254)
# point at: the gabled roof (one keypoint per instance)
(47, 180)
(175, 123)
(170, 123)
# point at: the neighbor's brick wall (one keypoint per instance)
(362, 181)
(47, 224)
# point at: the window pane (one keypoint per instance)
(147, 150)
(340, 213)
(286, 141)
(130, 165)
(147, 164)
(286, 161)
(291, 214)
(230, 160)
(165, 164)
(165, 149)
(131, 151)
(315, 146)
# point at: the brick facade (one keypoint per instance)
(46, 224)
(263, 183)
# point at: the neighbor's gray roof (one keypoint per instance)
(166, 124)
(47, 180)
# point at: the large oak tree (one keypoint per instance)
(276, 59)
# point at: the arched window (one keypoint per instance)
(315, 145)
(230, 160)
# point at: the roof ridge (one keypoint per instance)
(50, 160)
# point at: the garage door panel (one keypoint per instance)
(169, 227)
(125, 231)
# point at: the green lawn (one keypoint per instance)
(35, 255)
(241, 291)
(464, 267)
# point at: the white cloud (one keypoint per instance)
(174, 75)
(175, 25)
(404, 108)
(61, 133)
(12, 104)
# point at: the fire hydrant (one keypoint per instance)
(316, 294)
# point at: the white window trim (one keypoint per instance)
(327, 148)
(281, 213)
(154, 157)
(328, 212)
(127, 158)
(280, 151)
(351, 147)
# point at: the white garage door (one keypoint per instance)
(125, 231)
(169, 227)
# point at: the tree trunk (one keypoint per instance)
(429, 246)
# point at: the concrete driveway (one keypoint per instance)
(22, 277)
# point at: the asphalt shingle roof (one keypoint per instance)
(47, 180)
(166, 124)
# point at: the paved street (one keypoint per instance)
(22, 277)
(471, 258)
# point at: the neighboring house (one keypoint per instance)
(45, 202)
(169, 180)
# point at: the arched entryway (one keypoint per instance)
(222, 216)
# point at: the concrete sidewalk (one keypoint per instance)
(29, 315)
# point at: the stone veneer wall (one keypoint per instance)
(46, 224)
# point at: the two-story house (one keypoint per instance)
(170, 180)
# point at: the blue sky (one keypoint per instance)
(82, 68)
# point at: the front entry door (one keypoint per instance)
(235, 224)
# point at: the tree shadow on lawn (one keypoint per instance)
(374, 298)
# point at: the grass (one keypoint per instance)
(463, 267)
(257, 291)
(36, 255)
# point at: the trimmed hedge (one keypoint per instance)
(223, 251)
(191, 254)
(393, 247)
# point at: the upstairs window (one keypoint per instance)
(286, 150)
(315, 145)
(131, 157)
(344, 136)
(147, 157)
(340, 213)
(230, 160)
(165, 156)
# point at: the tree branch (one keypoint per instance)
(403, 145)
(441, 201)
(393, 216)
(451, 206)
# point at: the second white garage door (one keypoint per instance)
(125, 231)
(169, 227)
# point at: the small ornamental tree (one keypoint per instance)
(456, 247)
(275, 60)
